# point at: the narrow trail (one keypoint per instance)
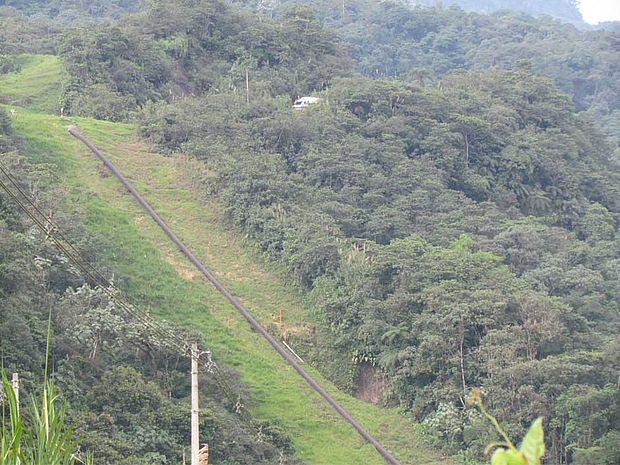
(233, 300)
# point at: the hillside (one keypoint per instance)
(156, 276)
(443, 220)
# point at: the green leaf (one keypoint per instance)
(507, 457)
(533, 445)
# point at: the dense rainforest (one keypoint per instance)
(450, 208)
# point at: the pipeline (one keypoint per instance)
(233, 300)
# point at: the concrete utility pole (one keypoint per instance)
(195, 407)
(15, 386)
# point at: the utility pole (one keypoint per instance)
(247, 86)
(15, 386)
(195, 407)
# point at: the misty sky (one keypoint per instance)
(596, 11)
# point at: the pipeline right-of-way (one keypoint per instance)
(233, 300)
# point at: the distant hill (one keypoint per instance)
(565, 10)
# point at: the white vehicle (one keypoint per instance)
(303, 102)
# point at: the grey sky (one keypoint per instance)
(596, 11)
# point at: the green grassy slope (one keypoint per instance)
(36, 85)
(160, 279)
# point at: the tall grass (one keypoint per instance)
(40, 436)
(12, 428)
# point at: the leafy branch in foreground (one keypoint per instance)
(532, 447)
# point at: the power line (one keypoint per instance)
(65, 246)
(71, 252)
